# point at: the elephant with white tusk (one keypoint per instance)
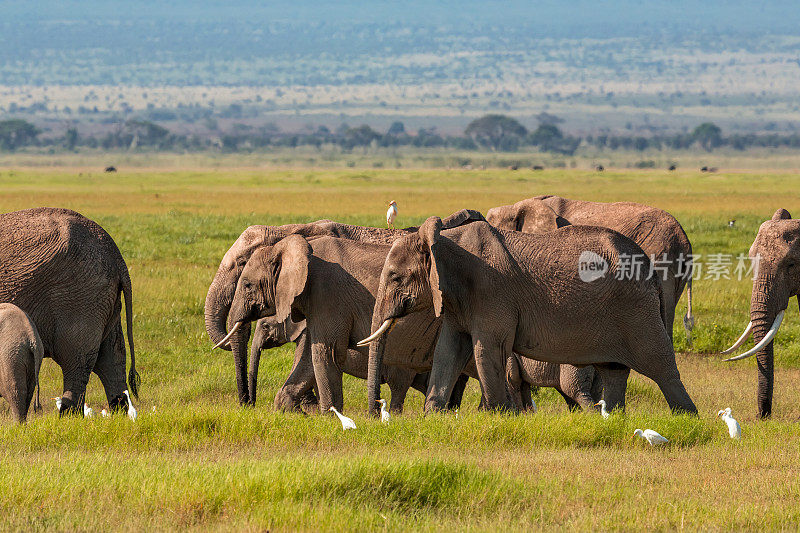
(502, 292)
(776, 252)
(221, 291)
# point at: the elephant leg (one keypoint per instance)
(575, 384)
(328, 375)
(526, 394)
(572, 405)
(450, 356)
(655, 358)
(458, 392)
(297, 393)
(399, 381)
(514, 382)
(110, 368)
(490, 360)
(76, 377)
(615, 383)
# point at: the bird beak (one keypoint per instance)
(598, 403)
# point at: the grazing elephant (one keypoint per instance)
(331, 284)
(657, 232)
(502, 291)
(21, 353)
(67, 274)
(776, 252)
(221, 292)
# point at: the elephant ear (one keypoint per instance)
(781, 214)
(289, 273)
(534, 216)
(459, 218)
(430, 235)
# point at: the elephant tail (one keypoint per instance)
(134, 380)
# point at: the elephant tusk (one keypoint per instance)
(386, 325)
(233, 330)
(741, 340)
(766, 340)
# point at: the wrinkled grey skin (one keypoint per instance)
(777, 247)
(21, 353)
(223, 287)
(331, 283)
(68, 275)
(298, 392)
(657, 233)
(580, 387)
(505, 291)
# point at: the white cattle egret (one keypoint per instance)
(88, 412)
(652, 438)
(734, 429)
(347, 423)
(105, 414)
(391, 214)
(131, 409)
(602, 404)
(58, 403)
(384, 413)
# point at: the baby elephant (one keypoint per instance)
(21, 353)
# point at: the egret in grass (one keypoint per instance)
(391, 214)
(384, 413)
(734, 429)
(58, 403)
(602, 404)
(105, 414)
(347, 423)
(131, 409)
(652, 437)
(88, 412)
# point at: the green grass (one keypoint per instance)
(200, 462)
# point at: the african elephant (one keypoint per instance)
(542, 296)
(776, 252)
(21, 353)
(67, 274)
(298, 392)
(331, 284)
(657, 232)
(580, 387)
(221, 292)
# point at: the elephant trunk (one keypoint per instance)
(376, 349)
(255, 359)
(765, 305)
(218, 304)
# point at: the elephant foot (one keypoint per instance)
(118, 404)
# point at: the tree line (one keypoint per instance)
(494, 132)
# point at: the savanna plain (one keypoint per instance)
(194, 459)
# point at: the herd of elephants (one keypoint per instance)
(496, 298)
